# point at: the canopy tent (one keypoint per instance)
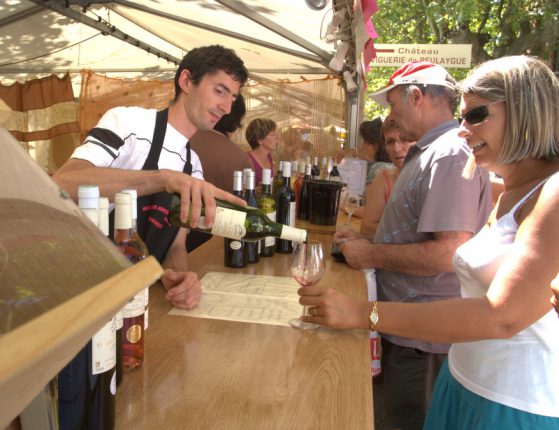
(279, 40)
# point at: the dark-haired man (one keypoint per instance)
(220, 157)
(149, 151)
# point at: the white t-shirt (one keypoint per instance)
(126, 140)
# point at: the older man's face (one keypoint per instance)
(401, 113)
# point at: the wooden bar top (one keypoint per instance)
(213, 374)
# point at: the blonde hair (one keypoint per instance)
(258, 129)
(530, 91)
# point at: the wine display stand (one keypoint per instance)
(60, 278)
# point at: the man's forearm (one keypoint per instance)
(110, 181)
(426, 258)
(177, 257)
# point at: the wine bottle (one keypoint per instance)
(294, 167)
(104, 227)
(139, 244)
(315, 172)
(234, 253)
(103, 362)
(299, 182)
(87, 385)
(277, 179)
(245, 177)
(266, 203)
(334, 173)
(133, 312)
(253, 248)
(237, 222)
(88, 202)
(324, 168)
(285, 209)
(304, 197)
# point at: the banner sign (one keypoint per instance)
(448, 56)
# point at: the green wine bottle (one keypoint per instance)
(236, 222)
(267, 204)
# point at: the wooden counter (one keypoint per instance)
(213, 374)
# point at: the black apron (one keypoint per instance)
(153, 209)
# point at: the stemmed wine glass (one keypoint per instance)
(351, 203)
(307, 268)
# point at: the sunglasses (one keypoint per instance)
(477, 114)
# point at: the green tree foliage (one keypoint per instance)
(494, 28)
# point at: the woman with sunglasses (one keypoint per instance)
(503, 367)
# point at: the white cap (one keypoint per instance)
(266, 176)
(88, 196)
(133, 201)
(123, 212)
(104, 215)
(286, 172)
(414, 72)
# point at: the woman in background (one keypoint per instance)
(262, 136)
(372, 151)
(379, 190)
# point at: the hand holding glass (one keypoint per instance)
(307, 268)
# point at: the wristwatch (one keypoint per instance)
(373, 317)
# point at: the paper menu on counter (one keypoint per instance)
(354, 173)
(247, 298)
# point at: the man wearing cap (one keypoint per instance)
(431, 211)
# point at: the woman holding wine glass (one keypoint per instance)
(501, 370)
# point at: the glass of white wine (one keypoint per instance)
(352, 202)
(307, 268)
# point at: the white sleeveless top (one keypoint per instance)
(521, 372)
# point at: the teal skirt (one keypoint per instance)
(453, 407)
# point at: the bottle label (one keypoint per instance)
(270, 240)
(229, 223)
(235, 245)
(135, 307)
(103, 348)
(293, 234)
(292, 214)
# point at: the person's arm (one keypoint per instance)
(76, 172)
(426, 258)
(555, 289)
(374, 206)
(517, 297)
(184, 290)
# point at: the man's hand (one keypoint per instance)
(183, 288)
(357, 254)
(195, 191)
(345, 235)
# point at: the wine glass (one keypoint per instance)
(307, 268)
(352, 201)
